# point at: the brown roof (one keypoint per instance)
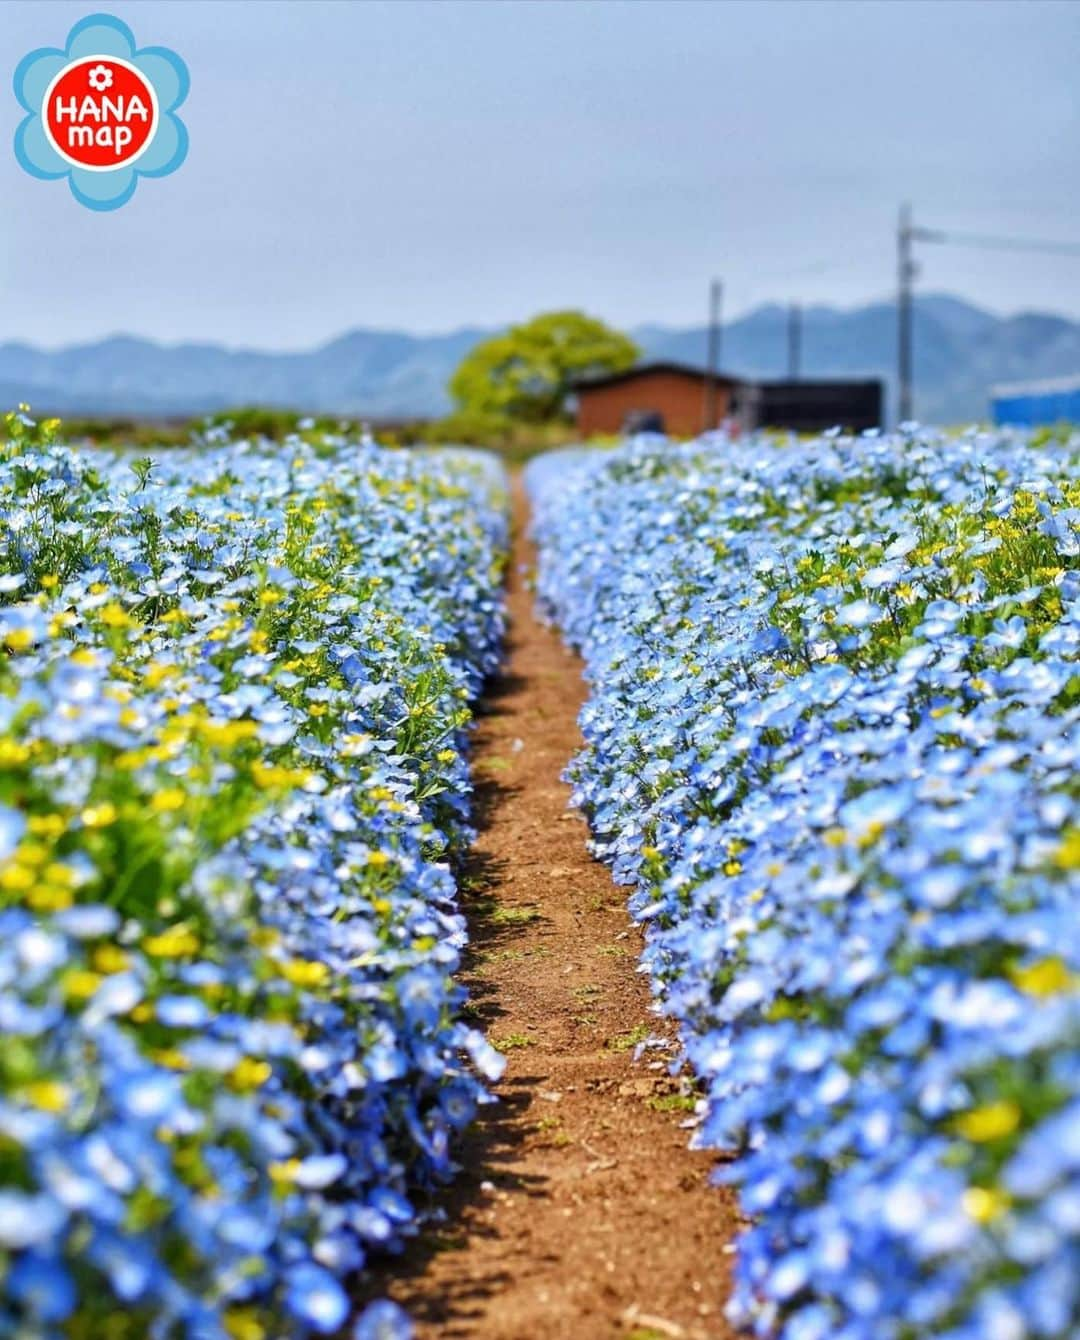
(644, 369)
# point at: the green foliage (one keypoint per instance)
(515, 442)
(475, 427)
(273, 422)
(526, 373)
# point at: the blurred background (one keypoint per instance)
(374, 189)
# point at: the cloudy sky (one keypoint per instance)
(430, 165)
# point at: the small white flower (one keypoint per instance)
(101, 78)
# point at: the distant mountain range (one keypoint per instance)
(960, 351)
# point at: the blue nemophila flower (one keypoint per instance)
(234, 1057)
(43, 1286)
(383, 1320)
(316, 1298)
(831, 743)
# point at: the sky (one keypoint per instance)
(427, 166)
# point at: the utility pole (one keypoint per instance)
(906, 271)
(906, 234)
(712, 360)
(794, 341)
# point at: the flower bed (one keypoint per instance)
(832, 742)
(234, 698)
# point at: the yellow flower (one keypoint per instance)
(991, 1122)
(48, 826)
(170, 1058)
(873, 831)
(1047, 977)
(249, 1073)
(167, 800)
(173, 943)
(99, 816)
(378, 859)
(266, 775)
(128, 760)
(18, 639)
(1068, 854)
(49, 898)
(109, 958)
(113, 615)
(60, 620)
(983, 1205)
(229, 732)
(47, 1095)
(157, 672)
(242, 1323)
(304, 972)
(79, 983)
(17, 878)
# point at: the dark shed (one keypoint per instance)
(813, 406)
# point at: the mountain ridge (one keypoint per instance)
(961, 350)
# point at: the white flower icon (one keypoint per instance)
(101, 78)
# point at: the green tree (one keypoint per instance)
(526, 373)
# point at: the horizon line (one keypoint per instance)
(172, 344)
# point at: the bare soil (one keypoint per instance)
(580, 1212)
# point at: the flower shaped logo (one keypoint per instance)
(101, 112)
(101, 78)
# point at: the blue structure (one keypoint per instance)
(1033, 404)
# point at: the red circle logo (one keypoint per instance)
(100, 112)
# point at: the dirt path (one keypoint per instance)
(580, 1212)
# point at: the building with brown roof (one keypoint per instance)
(675, 398)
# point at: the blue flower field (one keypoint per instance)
(234, 695)
(832, 745)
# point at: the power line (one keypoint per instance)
(907, 233)
(998, 243)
